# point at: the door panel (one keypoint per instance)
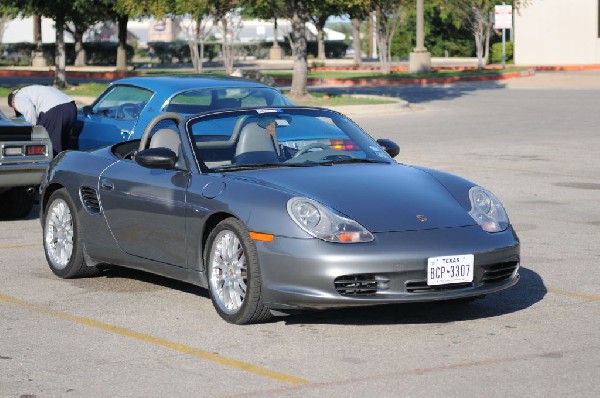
(145, 210)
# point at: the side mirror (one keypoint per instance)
(156, 158)
(87, 110)
(389, 146)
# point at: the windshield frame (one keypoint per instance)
(376, 155)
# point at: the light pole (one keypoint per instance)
(420, 58)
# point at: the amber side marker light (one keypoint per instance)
(259, 236)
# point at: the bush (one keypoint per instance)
(97, 53)
(496, 53)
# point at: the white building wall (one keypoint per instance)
(557, 32)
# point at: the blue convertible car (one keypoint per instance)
(124, 109)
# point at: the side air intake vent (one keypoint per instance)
(89, 198)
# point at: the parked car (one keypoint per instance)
(127, 105)
(25, 153)
(226, 204)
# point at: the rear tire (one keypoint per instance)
(16, 203)
(233, 274)
(62, 238)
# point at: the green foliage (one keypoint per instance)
(496, 53)
(443, 32)
(97, 53)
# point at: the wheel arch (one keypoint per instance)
(209, 225)
(50, 189)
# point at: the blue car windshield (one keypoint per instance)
(210, 99)
(280, 137)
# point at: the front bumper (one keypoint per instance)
(310, 273)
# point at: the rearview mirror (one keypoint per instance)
(389, 146)
(156, 158)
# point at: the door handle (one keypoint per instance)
(106, 185)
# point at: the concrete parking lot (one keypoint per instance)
(535, 144)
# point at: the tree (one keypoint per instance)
(319, 13)
(7, 12)
(60, 11)
(198, 30)
(125, 9)
(390, 14)
(478, 16)
(296, 12)
(358, 10)
(227, 17)
(87, 13)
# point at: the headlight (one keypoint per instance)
(487, 210)
(324, 224)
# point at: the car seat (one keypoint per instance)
(255, 146)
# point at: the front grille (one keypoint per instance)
(89, 198)
(361, 284)
(499, 272)
(423, 287)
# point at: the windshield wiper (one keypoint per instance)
(352, 160)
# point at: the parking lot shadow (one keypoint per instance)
(527, 292)
(415, 94)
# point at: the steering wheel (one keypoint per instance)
(308, 147)
(127, 111)
(145, 140)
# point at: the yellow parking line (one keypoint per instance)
(572, 294)
(20, 246)
(209, 356)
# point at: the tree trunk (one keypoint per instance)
(122, 48)
(37, 32)
(321, 43)
(298, 43)
(196, 61)
(488, 33)
(79, 50)
(275, 34)
(227, 45)
(356, 41)
(60, 77)
(200, 64)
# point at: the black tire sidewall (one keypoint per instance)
(76, 262)
(253, 283)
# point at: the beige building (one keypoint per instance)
(558, 32)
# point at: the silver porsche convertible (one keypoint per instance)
(274, 210)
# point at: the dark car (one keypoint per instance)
(25, 153)
(127, 105)
(225, 203)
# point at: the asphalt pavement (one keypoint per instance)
(533, 142)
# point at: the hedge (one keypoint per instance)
(97, 53)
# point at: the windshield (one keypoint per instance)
(203, 100)
(280, 137)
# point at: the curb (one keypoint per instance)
(405, 81)
(398, 105)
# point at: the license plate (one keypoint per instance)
(450, 269)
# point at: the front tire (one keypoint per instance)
(62, 238)
(233, 273)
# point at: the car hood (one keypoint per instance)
(382, 198)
